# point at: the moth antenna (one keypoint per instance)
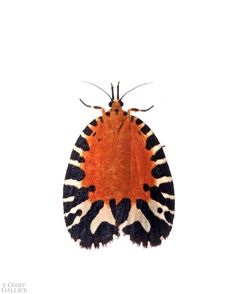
(118, 90)
(98, 88)
(134, 89)
(112, 92)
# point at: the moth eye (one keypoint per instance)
(121, 103)
(110, 104)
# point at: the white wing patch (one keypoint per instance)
(168, 196)
(74, 162)
(160, 161)
(163, 180)
(154, 205)
(136, 215)
(69, 199)
(78, 150)
(84, 207)
(156, 148)
(104, 215)
(74, 183)
(149, 134)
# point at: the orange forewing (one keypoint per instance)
(118, 172)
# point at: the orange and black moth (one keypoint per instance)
(118, 180)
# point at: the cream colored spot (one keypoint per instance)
(160, 161)
(91, 127)
(149, 133)
(168, 196)
(84, 206)
(136, 215)
(74, 183)
(74, 162)
(156, 148)
(104, 215)
(154, 205)
(69, 199)
(78, 150)
(83, 135)
(163, 180)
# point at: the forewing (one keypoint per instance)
(150, 219)
(83, 217)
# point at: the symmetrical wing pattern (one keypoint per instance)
(118, 180)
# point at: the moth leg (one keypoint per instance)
(136, 109)
(95, 107)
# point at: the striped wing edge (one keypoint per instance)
(94, 223)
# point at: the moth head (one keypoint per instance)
(115, 103)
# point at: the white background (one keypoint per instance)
(188, 48)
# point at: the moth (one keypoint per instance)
(118, 180)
